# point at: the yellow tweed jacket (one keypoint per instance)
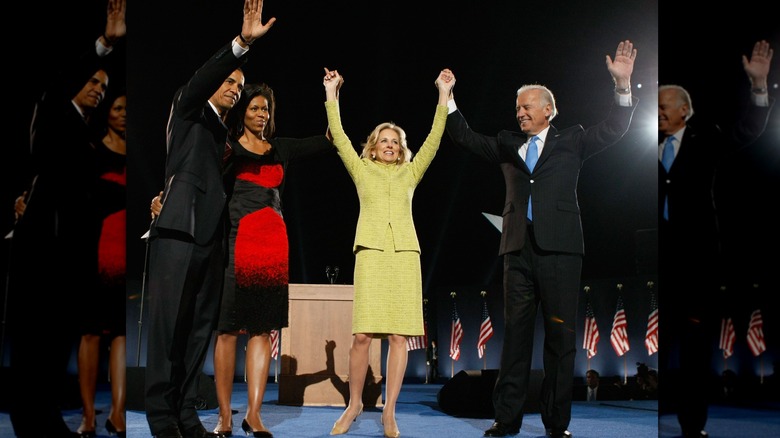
(385, 191)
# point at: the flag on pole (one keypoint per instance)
(755, 333)
(727, 337)
(619, 335)
(651, 336)
(485, 329)
(274, 344)
(591, 340)
(418, 342)
(456, 334)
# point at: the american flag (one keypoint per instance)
(485, 329)
(418, 342)
(651, 336)
(421, 341)
(619, 335)
(456, 334)
(727, 337)
(274, 344)
(591, 341)
(755, 333)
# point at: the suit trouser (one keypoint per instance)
(185, 284)
(689, 315)
(533, 277)
(43, 331)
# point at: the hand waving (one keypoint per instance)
(623, 65)
(253, 27)
(757, 67)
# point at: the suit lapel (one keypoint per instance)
(549, 145)
(684, 151)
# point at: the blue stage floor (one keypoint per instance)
(418, 415)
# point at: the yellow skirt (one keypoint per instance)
(388, 291)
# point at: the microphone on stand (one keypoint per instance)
(332, 274)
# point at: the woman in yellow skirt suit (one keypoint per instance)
(388, 281)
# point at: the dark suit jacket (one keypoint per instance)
(557, 222)
(693, 222)
(58, 233)
(194, 195)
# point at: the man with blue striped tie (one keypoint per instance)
(541, 238)
(689, 156)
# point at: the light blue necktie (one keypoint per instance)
(531, 157)
(667, 158)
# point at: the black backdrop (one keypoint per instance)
(390, 53)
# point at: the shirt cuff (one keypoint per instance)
(761, 100)
(623, 99)
(102, 50)
(451, 107)
(238, 50)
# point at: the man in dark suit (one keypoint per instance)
(542, 240)
(432, 354)
(689, 156)
(55, 241)
(187, 238)
(592, 382)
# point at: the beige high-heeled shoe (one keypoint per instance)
(342, 430)
(389, 433)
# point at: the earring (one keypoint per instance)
(373, 156)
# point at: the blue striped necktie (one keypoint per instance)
(667, 158)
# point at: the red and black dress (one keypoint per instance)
(255, 295)
(106, 315)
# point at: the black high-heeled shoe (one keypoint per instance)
(227, 433)
(112, 429)
(255, 433)
(87, 433)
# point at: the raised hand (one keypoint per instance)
(445, 82)
(623, 65)
(253, 27)
(116, 27)
(332, 82)
(757, 67)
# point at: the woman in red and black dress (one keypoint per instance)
(104, 315)
(255, 294)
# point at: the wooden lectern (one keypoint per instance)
(315, 349)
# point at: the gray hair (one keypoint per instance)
(683, 98)
(547, 97)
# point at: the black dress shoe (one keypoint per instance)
(171, 432)
(558, 434)
(502, 429)
(695, 434)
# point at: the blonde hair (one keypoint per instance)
(369, 147)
